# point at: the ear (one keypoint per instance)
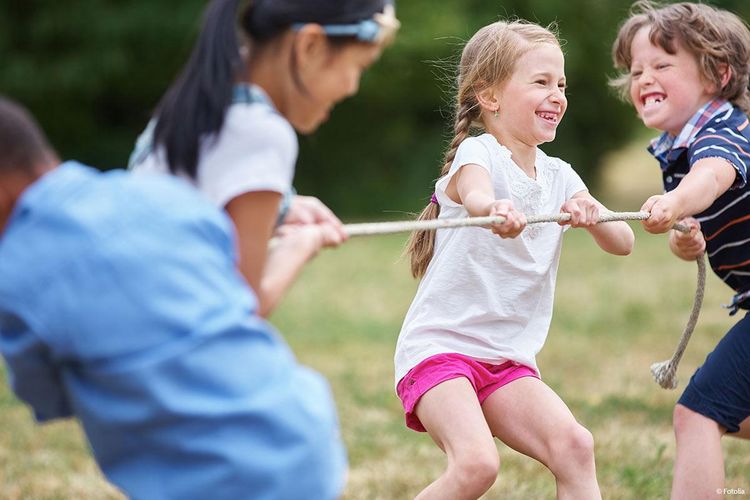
(726, 74)
(489, 99)
(310, 45)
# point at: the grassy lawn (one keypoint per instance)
(614, 317)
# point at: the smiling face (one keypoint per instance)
(666, 89)
(532, 101)
(334, 76)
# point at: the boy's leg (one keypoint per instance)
(715, 401)
(451, 414)
(744, 432)
(699, 462)
(529, 417)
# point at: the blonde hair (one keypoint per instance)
(488, 58)
(717, 38)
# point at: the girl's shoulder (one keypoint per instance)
(484, 145)
(257, 120)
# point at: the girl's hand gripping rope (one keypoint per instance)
(514, 221)
(583, 212)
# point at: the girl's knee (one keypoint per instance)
(475, 470)
(573, 447)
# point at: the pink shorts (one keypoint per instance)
(486, 378)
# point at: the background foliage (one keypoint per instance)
(92, 71)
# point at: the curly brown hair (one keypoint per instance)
(718, 39)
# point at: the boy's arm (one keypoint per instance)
(613, 237)
(32, 374)
(708, 179)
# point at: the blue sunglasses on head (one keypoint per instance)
(380, 29)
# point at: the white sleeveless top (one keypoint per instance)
(484, 296)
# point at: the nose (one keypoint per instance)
(646, 78)
(558, 96)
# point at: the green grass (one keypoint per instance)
(614, 316)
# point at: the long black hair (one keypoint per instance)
(195, 105)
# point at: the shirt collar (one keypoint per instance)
(666, 143)
(66, 172)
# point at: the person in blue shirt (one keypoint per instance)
(121, 304)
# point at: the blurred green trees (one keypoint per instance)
(92, 71)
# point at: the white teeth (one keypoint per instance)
(652, 99)
(548, 116)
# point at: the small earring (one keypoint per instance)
(497, 111)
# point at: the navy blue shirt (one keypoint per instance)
(718, 130)
(121, 304)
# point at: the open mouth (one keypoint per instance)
(651, 100)
(549, 117)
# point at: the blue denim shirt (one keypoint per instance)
(120, 303)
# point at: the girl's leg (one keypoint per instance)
(530, 418)
(451, 414)
(699, 461)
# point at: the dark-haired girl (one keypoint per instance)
(228, 122)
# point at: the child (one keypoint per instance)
(686, 72)
(228, 121)
(465, 358)
(121, 304)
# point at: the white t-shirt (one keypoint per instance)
(256, 150)
(484, 296)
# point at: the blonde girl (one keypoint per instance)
(465, 358)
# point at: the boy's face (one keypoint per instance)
(666, 89)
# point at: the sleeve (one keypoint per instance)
(32, 374)
(727, 144)
(254, 152)
(573, 182)
(470, 151)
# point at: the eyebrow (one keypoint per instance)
(545, 74)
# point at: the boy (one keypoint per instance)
(686, 72)
(121, 304)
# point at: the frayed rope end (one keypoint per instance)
(664, 374)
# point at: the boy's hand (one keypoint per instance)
(664, 213)
(688, 246)
(515, 221)
(584, 212)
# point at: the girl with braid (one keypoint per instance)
(465, 358)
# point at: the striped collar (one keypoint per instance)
(247, 93)
(666, 143)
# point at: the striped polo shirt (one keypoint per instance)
(717, 130)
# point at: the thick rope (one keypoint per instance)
(373, 228)
(664, 372)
